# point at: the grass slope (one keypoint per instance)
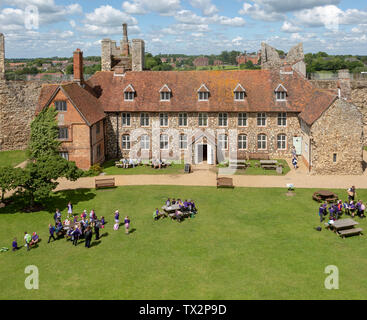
(12, 158)
(245, 243)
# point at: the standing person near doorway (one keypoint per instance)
(294, 152)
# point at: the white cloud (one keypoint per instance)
(164, 7)
(189, 17)
(289, 27)
(206, 6)
(257, 12)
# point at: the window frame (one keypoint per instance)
(202, 118)
(126, 143)
(205, 96)
(281, 141)
(239, 119)
(165, 96)
(225, 141)
(281, 93)
(163, 116)
(129, 96)
(166, 146)
(63, 153)
(63, 102)
(282, 117)
(223, 117)
(144, 141)
(127, 117)
(144, 116)
(63, 129)
(183, 118)
(241, 141)
(240, 93)
(183, 142)
(262, 116)
(262, 141)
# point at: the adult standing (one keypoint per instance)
(88, 237)
(57, 216)
(127, 224)
(97, 225)
(295, 162)
(294, 152)
(352, 193)
(117, 216)
(27, 240)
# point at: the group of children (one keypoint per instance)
(336, 210)
(29, 241)
(185, 207)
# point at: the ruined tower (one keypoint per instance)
(2, 57)
(127, 57)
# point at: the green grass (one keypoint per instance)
(245, 243)
(255, 169)
(109, 168)
(12, 158)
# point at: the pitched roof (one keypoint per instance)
(259, 86)
(239, 88)
(86, 103)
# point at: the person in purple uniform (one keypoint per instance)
(321, 212)
(352, 208)
(75, 235)
(15, 245)
(51, 230)
(127, 224)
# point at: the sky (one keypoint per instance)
(48, 28)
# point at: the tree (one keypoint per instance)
(69, 69)
(39, 178)
(9, 179)
(44, 135)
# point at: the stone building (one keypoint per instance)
(130, 56)
(254, 58)
(201, 62)
(207, 116)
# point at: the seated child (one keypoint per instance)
(352, 208)
(156, 214)
(168, 202)
(346, 207)
(15, 245)
(35, 239)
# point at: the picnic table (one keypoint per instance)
(325, 195)
(171, 208)
(269, 164)
(345, 227)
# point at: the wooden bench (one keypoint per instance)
(225, 183)
(350, 232)
(104, 183)
(269, 166)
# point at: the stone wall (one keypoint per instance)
(18, 101)
(2, 57)
(339, 132)
(115, 131)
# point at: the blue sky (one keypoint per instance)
(44, 28)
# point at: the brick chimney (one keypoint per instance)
(78, 66)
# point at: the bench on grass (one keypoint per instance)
(105, 182)
(225, 183)
(258, 156)
(269, 166)
(350, 232)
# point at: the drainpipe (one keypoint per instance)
(118, 135)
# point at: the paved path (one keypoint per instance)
(204, 176)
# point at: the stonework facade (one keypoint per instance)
(338, 148)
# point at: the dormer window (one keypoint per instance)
(165, 93)
(129, 93)
(203, 93)
(281, 93)
(239, 93)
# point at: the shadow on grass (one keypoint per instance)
(95, 243)
(59, 199)
(132, 230)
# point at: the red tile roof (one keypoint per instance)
(259, 85)
(86, 103)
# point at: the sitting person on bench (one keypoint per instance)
(346, 207)
(173, 201)
(178, 215)
(168, 202)
(332, 213)
(361, 208)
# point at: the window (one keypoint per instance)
(203, 119)
(203, 96)
(261, 119)
(223, 142)
(182, 119)
(223, 119)
(282, 142)
(144, 119)
(126, 142)
(282, 119)
(242, 142)
(334, 157)
(64, 155)
(63, 133)
(281, 96)
(145, 142)
(165, 96)
(242, 119)
(164, 142)
(183, 141)
(126, 119)
(98, 127)
(60, 105)
(261, 141)
(129, 96)
(98, 151)
(163, 119)
(239, 96)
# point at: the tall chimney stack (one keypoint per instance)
(78, 66)
(2, 57)
(125, 41)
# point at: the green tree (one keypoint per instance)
(44, 135)
(9, 179)
(69, 69)
(39, 178)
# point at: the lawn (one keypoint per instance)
(109, 168)
(12, 158)
(245, 243)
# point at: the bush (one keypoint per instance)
(93, 171)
